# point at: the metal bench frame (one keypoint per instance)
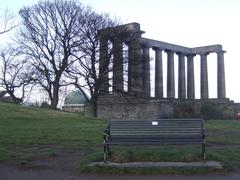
(154, 132)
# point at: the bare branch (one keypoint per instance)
(12, 75)
(50, 37)
(8, 22)
(85, 71)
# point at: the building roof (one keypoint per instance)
(75, 97)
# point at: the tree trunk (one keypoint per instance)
(15, 99)
(55, 97)
(95, 109)
(94, 104)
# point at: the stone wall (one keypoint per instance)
(118, 106)
(143, 110)
(207, 109)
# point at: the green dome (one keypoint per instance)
(75, 97)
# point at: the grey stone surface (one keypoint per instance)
(221, 91)
(181, 76)
(158, 73)
(183, 49)
(122, 106)
(121, 29)
(103, 65)
(165, 45)
(190, 77)
(170, 74)
(146, 71)
(139, 69)
(136, 64)
(211, 164)
(138, 72)
(204, 76)
(138, 83)
(117, 65)
(119, 106)
(206, 49)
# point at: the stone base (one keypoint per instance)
(130, 107)
(122, 106)
(210, 164)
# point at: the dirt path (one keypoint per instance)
(66, 167)
(16, 173)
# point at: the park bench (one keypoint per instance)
(154, 132)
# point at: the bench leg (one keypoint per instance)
(105, 155)
(203, 151)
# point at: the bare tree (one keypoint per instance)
(50, 38)
(8, 22)
(13, 77)
(85, 71)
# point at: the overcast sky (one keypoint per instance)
(189, 23)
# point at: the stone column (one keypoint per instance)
(221, 91)
(190, 77)
(181, 76)
(104, 66)
(117, 65)
(158, 73)
(146, 72)
(136, 64)
(204, 76)
(170, 74)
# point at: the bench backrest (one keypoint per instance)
(156, 128)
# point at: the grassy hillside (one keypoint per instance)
(27, 132)
(24, 128)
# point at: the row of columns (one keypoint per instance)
(139, 70)
(190, 92)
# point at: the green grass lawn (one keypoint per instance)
(27, 132)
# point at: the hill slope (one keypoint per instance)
(23, 127)
(29, 133)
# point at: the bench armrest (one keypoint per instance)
(106, 134)
(106, 131)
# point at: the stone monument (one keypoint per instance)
(135, 102)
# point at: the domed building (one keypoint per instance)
(75, 101)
